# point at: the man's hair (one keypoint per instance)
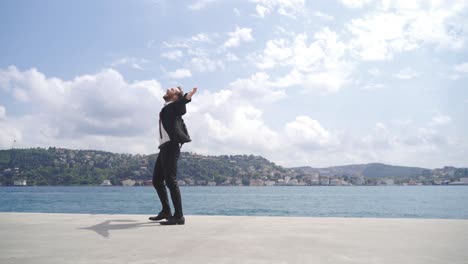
(181, 93)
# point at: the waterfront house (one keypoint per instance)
(106, 183)
(20, 183)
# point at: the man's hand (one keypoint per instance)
(191, 93)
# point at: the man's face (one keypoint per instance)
(171, 94)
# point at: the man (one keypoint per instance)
(172, 134)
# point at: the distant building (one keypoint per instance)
(412, 182)
(256, 182)
(335, 182)
(181, 183)
(462, 181)
(270, 183)
(389, 182)
(106, 183)
(314, 182)
(20, 183)
(211, 183)
(301, 183)
(189, 181)
(201, 182)
(226, 183)
(128, 182)
(324, 181)
(293, 182)
(140, 183)
(359, 180)
(148, 183)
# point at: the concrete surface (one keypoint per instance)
(82, 238)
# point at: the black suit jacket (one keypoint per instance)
(171, 119)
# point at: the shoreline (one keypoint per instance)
(183, 186)
(145, 216)
(221, 215)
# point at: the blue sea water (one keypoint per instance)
(450, 202)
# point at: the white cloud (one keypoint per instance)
(150, 43)
(20, 95)
(203, 52)
(394, 27)
(441, 119)
(32, 86)
(380, 126)
(276, 51)
(315, 65)
(462, 68)
(323, 82)
(258, 87)
(172, 55)
(176, 44)
(180, 74)
(457, 72)
(192, 42)
(374, 72)
(284, 32)
(2, 112)
(231, 121)
(135, 63)
(99, 111)
(9, 134)
(202, 37)
(238, 36)
(307, 131)
(200, 4)
(356, 3)
(372, 86)
(324, 16)
(262, 10)
(231, 57)
(205, 64)
(404, 143)
(379, 36)
(406, 73)
(284, 7)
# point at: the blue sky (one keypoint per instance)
(315, 83)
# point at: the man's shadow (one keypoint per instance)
(106, 226)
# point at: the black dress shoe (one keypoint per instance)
(173, 220)
(161, 216)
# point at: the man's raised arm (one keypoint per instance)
(179, 105)
(189, 95)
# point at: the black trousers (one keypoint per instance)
(165, 173)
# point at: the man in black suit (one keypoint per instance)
(172, 134)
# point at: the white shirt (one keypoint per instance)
(163, 136)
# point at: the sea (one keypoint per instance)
(447, 202)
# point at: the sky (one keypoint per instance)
(301, 83)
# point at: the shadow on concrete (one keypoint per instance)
(106, 226)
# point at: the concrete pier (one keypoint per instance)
(83, 238)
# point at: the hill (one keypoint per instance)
(59, 166)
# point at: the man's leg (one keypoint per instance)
(170, 172)
(158, 182)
